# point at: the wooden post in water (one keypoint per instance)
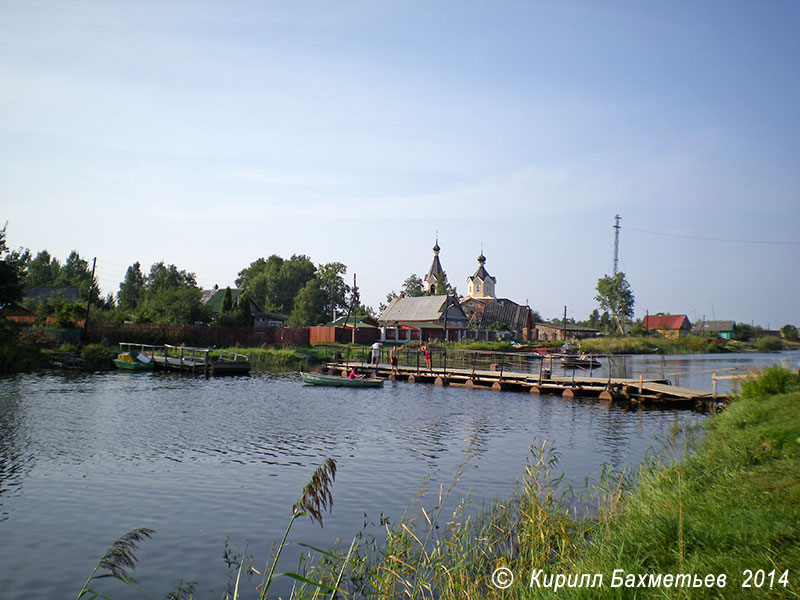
(714, 384)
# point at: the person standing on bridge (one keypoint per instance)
(376, 353)
(424, 348)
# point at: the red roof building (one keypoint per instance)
(671, 326)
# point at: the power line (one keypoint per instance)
(707, 239)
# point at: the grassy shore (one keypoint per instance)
(295, 357)
(683, 345)
(732, 507)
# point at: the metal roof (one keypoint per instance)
(713, 326)
(420, 308)
(666, 322)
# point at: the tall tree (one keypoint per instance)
(413, 286)
(789, 332)
(131, 290)
(295, 274)
(243, 312)
(260, 279)
(77, 273)
(309, 306)
(167, 277)
(274, 283)
(10, 275)
(333, 287)
(42, 270)
(227, 301)
(615, 296)
(172, 296)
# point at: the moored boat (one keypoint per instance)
(336, 380)
(582, 361)
(128, 361)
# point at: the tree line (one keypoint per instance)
(306, 293)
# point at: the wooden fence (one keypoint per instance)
(192, 335)
(363, 335)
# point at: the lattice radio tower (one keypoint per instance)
(616, 243)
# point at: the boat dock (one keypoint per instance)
(499, 377)
(186, 359)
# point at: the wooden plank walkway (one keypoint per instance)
(634, 390)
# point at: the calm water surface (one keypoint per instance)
(85, 459)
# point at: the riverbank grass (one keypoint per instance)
(732, 508)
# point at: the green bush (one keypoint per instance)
(771, 381)
(98, 357)
(769, 344)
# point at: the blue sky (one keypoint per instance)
(209, 134)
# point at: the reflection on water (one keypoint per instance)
(85, 459)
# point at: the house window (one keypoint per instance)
(477, 287)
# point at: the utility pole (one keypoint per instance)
(616, 243)
(353, 308)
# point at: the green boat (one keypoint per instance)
(335, 380)
(128, 361)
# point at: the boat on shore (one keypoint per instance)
(128, 361)
(338, 381)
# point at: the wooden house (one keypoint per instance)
(719, 329)
(669, 326)
(437, 317)
(17, 313)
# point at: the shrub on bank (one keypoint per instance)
(771, 381)
(769, 344)
(20, 348)
(99, 357)
(651, 344)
